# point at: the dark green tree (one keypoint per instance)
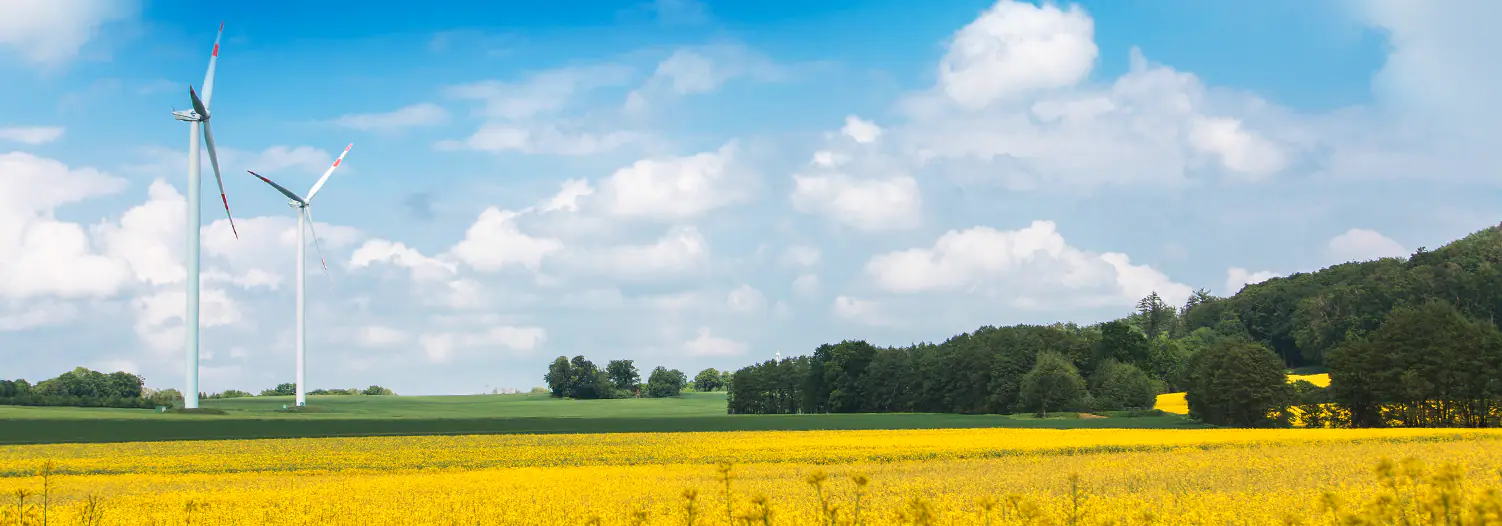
(1054, 383)
(663, 383)
(708, 380)
(1117, 386)
(560, 377)
(623, 375)
(1155, 316)
(1238, 384)
(1121, 342)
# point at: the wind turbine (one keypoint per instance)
(198, 117)
(304, 207)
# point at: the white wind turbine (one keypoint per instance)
(304, 208)
(198, 117)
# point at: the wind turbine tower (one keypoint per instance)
(304, 207)
(198, 118)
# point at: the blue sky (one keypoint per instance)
(697, 184)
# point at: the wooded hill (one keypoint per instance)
(1407, 341)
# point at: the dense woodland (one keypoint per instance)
(1407, 342)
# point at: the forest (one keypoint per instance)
(1409, 342)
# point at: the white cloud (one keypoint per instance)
(857, 310)
(416, 115)
(23, 315)
(148, 236)
(801, 256)
(544, 93)
(50, 32)
(746, 299)
(545, 139)
(1359, 244)
(39, 255)
(861, 131)
(1239, 150)
(1015, 49)
(1026, 264)
(443, 347)
(704, 69)
(1237, 277)
(865, 204)
(706, 344)
(568, 196)
(395, 253)
(527, 116)
(674, 188)
(31, 135)
(495, 242)
(380, 336)
(806, 284)
(680, 251)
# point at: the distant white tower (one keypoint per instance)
(779, 356)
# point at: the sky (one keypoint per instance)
(698, 184)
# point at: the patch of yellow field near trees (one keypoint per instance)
(962, 476)
(1176, 404)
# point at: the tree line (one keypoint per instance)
(83, 387)
(580, 379)
(1407, 342)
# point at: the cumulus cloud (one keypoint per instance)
(706, 344)
(1015, 49)
(395, 253)
(495, 242)
(1237, 277)
(861, 131)
(891, 203)
(40, 255)
(1359, 244)
(1026, 263)
(674, 188)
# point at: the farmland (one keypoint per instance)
(330, 416)
(1178, 476)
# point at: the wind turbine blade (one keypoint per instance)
(279, 188)
(208, 78)
(198, 105)
(319, 185)
(309, 211)
(208, 137)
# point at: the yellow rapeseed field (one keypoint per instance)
(973, 476)
(1176, 404)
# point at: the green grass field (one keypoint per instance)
(263, 417)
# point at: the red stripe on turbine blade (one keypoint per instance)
(231, 217)
(216, 50)
(351, 145)
(221, 26)
(336, 162)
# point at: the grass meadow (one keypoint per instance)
(343, 416)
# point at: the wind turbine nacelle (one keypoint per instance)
(186, 116)
(294, 204)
